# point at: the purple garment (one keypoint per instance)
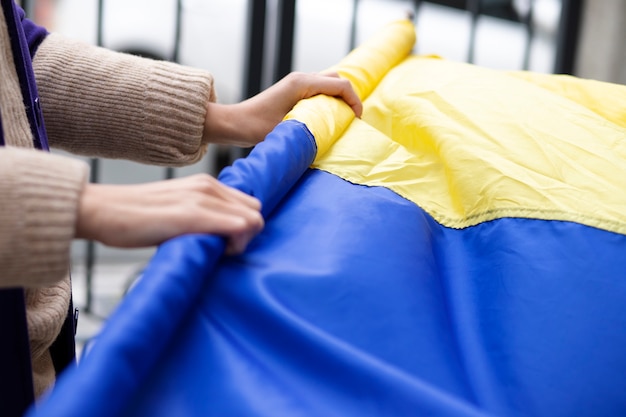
(25, 38)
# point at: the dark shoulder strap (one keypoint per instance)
(63, 350)
(16, 376)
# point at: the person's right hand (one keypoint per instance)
(148, 214)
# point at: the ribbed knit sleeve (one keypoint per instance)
(98, 102)
(39, 195)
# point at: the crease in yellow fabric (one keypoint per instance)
(470, 144)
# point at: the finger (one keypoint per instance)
(329, 73)
(233, 226)
(237, 229)
(237, 244)
(234, 195)
(140, 219)
(196, 210)
(332, 84)
(180, 189)
(209, 185)
(241, 217)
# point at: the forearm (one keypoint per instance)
(248, 122)
(101, 103)
(40, 195)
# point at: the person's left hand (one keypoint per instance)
(248, 122)
(142, 215)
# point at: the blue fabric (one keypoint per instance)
(355, 302)
(158, 305)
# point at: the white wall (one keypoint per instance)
(602, 53)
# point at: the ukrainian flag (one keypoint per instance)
(460, 250)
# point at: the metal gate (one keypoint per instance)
(269, 55)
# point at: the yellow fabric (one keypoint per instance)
(326, 117)
(470, 144)
(606, 99)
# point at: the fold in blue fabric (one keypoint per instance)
(355, 302)
(137, 333)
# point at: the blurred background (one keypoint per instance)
(249, 44)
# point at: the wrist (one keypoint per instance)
(220, 125)
(86, 215)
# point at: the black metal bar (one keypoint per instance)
(567, 41)
(178, 28)
(256, 47)
(100, 24)
(530, 34)
(90, 254)
(475, 8)
(170, 172)
(501, 9)
(286, 22)
(27, 6)
(253, 83)
(353, 24)
(416, 8)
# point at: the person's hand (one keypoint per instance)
(148, 214)
(248, 122)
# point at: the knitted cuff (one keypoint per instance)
(97, 102)
(40, 194)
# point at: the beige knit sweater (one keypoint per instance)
(95, 103)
